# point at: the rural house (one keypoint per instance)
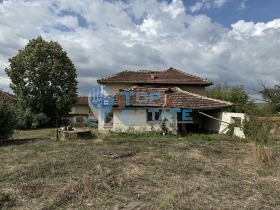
(144, 100)
(80, 112)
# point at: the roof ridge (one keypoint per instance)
(134, 71)
(112, 75)
(188, 74)
(204, 97)
(164, 76)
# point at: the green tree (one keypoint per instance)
(7, 119)
(236, 95)
(271, 95)
(43, 78)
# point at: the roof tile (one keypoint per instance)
(179, 99)
(169, 76)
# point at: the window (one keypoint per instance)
(237, 121)
(155, 112)
(79, 119)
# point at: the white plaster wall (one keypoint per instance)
(222, 125)
(139, 121)
(115, 87)
(72, 110)
(80, 109)
(200, 90)
(239, 133)
(101, 124)
(228, 117)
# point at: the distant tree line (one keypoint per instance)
(243, 103)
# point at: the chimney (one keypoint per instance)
(168, 98)
(153, 76)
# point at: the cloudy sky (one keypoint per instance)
(234, 41)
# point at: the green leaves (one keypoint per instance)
(237, 95)
(7, 120)
(44, 78)
(272, 96)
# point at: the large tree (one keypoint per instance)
(43, 78)
(236, 95)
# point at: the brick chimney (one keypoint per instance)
(168, 98)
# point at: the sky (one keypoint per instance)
(233, 41)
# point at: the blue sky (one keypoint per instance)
(248, 10)
(234, 41)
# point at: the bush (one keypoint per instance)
(163, 127)
(256, 129)
(26, 119)
(40, 120)
(231, 127)
(7, 120)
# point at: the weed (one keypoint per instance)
(137, 172)
(204, 137)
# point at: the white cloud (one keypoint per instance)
(68, 21)
(207, 4)
(144, 35)
(175, 8)
(197, 6)
(150, 26)
(242, 5)
(219, 3)
(243, 30)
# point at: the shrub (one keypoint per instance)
(40, 120)
(256, 129)
(163, 127)
(7, 120)
(26, 119)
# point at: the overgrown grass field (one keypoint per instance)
(136, 172)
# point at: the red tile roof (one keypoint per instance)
(178, 99)
(169, 76)
(82, 100)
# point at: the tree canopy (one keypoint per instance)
(271, 95)
(7, 118)
(43, 78)
(236, 95)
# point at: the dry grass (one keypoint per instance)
(137, 173)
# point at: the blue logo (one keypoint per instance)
(101, 101)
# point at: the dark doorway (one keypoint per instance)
(186, 127)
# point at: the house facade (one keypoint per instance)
(81, 112)
(145, 100)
